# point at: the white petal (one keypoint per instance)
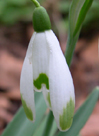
(30, 46)
(60, 85)
(40, 62)
(26, 88)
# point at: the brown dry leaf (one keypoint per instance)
(13, 94)
(10, 69)
(4, 102)
(2, 123)
(5, 115)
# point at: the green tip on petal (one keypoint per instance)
(48, 99)
(41, 21)
(27, 110)
(65, 120)
(42, 79)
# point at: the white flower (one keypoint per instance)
(45, 69)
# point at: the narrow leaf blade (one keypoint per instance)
(20, 125)
(77, 13)
(82, 15)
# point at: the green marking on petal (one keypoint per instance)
(42, 79)
(27, 110)
(66, 118)
(48, 99)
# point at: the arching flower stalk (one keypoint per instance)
(45, 69)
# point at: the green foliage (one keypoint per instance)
(21, 126)
(12, 11)
(91, 17)
(75, 22)
(48, 131)
(82, 15)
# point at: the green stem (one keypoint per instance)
(71, 43)
(37, 4)
(48, 124)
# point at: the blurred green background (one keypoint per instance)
(14, 11)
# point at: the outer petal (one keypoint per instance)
(26, 85)
(60, 85)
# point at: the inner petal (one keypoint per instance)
(40, 59)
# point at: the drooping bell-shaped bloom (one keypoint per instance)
(45, 69)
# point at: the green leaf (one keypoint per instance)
(78, 11)
(48, 125)
(41, 127)
(93, 15)
(78, 135)
(82, 15)
(20, 125)
(82, 114)
(44, 123)
(53, 129)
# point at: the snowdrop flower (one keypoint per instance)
(45, 69)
